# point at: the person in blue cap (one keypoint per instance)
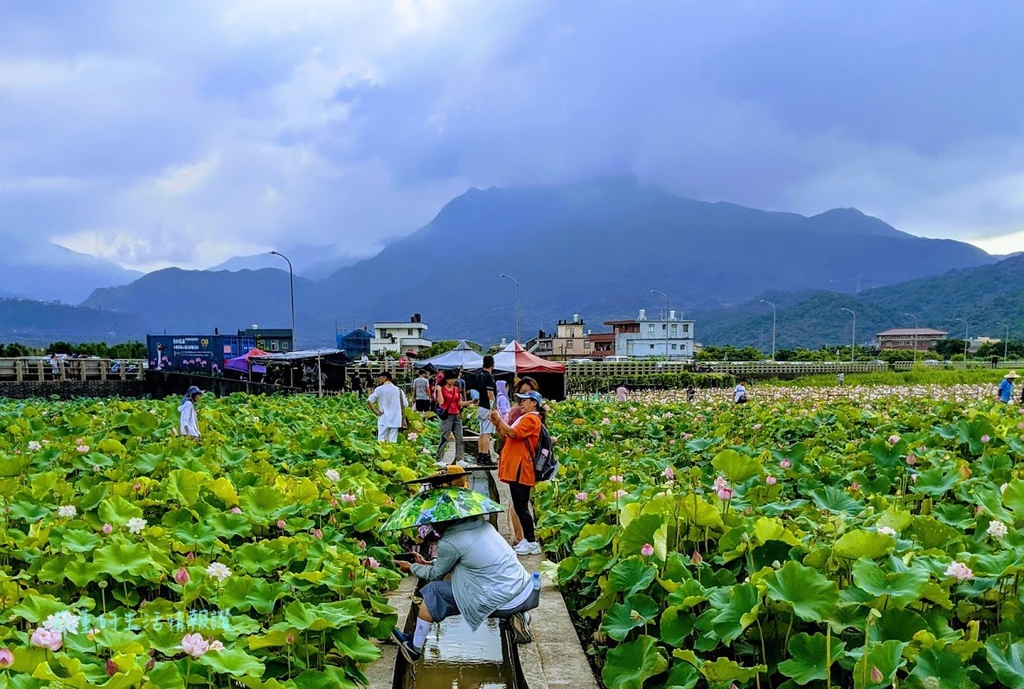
(189, 420)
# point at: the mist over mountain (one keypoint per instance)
(44, 271)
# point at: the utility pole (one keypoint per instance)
(967, 337)
(291, 291)
(765, 301)
(1006, 341)
(853, 339)
(509, 277)
(665, 315)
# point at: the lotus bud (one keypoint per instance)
(281, 523)
(190, 557)
(318, 534)
(770, 480)
(635, 616)
(181, 576)
(290, 639)
(107, 529)
(236, 510)
(150, 664)
(6, 658)
(785, 464)
(137, 487)
(647, 550)
(111, 668)
(362, 544)
(876, 675)
(696, 558)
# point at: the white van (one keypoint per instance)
(615, 359)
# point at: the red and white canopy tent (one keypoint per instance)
(516, 362)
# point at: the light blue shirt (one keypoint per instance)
(486, 574)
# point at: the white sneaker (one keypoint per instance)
(529, 549)
(521, 546)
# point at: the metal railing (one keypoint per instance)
(42, 370)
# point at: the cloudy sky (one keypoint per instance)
(183, 133)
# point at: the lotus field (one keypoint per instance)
(868, 540)
(135, 558)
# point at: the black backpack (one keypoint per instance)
(545, 464)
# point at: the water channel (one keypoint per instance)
(456, 657)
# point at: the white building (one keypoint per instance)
(399, 337)
(653, 339)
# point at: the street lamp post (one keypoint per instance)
(771, 304)
(291, 290)
(910, 315)
(665, 315)
(853, 339)
(967, 337)
(509, 277)
(1006, 341)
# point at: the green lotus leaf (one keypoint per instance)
(232, 661)
(676, 624)
(700, 513)
(886, 657)
(351, 645)
(928, 532)
(737, 609)
(682, 675)
(835, 500)
(814, 596)
(14, 465)
(810, 657)
(329, 678)
(245, 593)
(27, 511)
(1007, 659)
(631, 575)
(647, 529)
(724, 671)
(262, 504)
(622, 618)
(274, 639)
(593, 537)
(27, 659)
(903, 585)
(35, 609)
(896, 519)
(116, 511)
(736, 467)
(111, 446)
(142, 424)
(196, 535)
(363, 518)
(860, 544)
(92, 498)
(935, 482)
(629, 665)
(118, 558)
(943, 667)
(184, 485)
(224, 490)
(78, 541)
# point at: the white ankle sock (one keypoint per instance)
(419, 637)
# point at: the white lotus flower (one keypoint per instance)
(136, 525)
(67, 511)
(887, 531)
(218, 571)
(64, 622)
(997, 529)
(332, 475)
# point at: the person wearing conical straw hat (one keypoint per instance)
(1006, 387)
(486, 577)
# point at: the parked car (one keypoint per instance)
(581, 361)
(615, 359)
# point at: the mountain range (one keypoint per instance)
(595, 248)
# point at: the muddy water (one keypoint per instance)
(456, 658)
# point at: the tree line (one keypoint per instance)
(123, 350)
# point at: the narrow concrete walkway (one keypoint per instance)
(555, 659)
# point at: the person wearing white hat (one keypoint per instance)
(1006, 387)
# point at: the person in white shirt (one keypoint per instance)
(388, 403)
(189, 420)
(739, 395)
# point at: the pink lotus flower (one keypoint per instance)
(600, 496)
(911, 460)
(371, 563)
(82, 449)
(107, 529)
(770, 480)
(111, 668)
(45, 638)
(669, 474)
(619, 494)
(6, 658)
(181, 576)
(318, 534)
(194, 645)
(647, 550)
(785, 464)
(581, 496)
(348, 498)
(854, 486)
(281, 524)
(720, 483)
(893, 439)
(985, 438)
(959, 571)
(216, 646)
(696, 558)
(615, 478)
(236, 510)
(725, 494)
(362, 544)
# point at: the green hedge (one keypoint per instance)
(657, 381)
